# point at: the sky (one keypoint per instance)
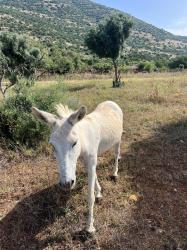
(170, 15)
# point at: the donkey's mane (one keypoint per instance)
(63, 111)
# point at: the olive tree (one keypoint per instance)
(17, 61)
(108, 38)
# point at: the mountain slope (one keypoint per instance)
(67, 21)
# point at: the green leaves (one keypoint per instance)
(18, 60)
(108, 38)
(180, 63)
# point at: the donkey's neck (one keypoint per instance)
(89, 135)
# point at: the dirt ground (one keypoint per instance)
(145, 209)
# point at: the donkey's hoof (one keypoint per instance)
(98, 200)
(90, 230)
(82, 235)
(114, 178)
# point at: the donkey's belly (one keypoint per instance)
(110, 119)
(108, 142)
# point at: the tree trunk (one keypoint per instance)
(116, 82)
(116, 71)
(3, 89)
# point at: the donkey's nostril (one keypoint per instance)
(67, 185)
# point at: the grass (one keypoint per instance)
(145, 209)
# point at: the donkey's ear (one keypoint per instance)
(43, 116)
(77, 115)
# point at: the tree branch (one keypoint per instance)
(1, 83)
(7, 87)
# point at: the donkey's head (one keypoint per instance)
(65, 140)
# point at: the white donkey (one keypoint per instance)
(76, 134)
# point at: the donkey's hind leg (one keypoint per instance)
(97, 189)
(117, 157)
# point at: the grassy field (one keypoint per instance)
(144, 209)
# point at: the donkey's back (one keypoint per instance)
(110, 120)
(110, 106)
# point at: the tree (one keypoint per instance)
(17, 61)
(107, 40)
(178, 62)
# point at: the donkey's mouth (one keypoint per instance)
(68, 186)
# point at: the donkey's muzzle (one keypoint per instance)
(67, 186)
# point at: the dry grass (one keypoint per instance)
(145, 209)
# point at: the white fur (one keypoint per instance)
(93, 134)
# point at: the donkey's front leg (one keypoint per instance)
(91, 196)
(97, 188)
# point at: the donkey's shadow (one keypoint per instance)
(18, 229)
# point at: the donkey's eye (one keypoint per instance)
(74, 144)
(54, 149)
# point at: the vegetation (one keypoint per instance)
(18, 61)
(147, 67)
(180, 63)
(138, 211)
(107, 41)
(150, 66)
(64, 22)
(18, 126)
(24, 59)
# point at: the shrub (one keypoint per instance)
(19, 102)
(18, 126)
(18, 60)
(43, 100)
(102, 67)
(161, 64)
(180, 62)
(147, 66)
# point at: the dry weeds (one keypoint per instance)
(144, 209)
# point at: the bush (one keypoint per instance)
(102, 67)
(18, 126)
(20, 103)
(161, 64)
(180, 63)
(147, 66)
(43, 100)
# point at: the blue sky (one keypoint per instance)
(168, 14)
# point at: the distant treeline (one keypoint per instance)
(55, 59)
(59, 61)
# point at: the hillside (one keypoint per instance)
(67, 22)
